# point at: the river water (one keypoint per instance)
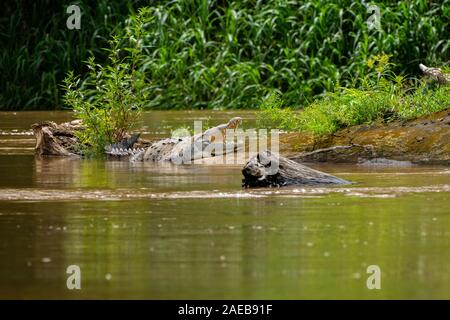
(191, 232)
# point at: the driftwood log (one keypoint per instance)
(270, 170)
(263, 170)
(54, 139)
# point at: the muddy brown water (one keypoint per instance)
(162, 231)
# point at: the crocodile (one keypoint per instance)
(209, 143)
(61, 140)
(219, 133)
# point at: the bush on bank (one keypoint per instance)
(216, 54)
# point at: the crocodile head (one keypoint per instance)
(234, 123)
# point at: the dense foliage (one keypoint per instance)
(220, 54)
(382, 96)
(206, 54)
(109, 100)
(37, 49)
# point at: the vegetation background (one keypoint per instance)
(217, 54)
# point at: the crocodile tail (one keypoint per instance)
(114, 151)
(138, 156)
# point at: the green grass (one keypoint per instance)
(217, 54)
(351, 107)
(382, 97)
(202, 54)
(37, 49)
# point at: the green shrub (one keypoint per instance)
(110, 99)
(217, 54)
(37, 49)
(382, 96)
(204, 54)
(274, 114)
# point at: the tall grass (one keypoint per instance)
(109, 100)
(37, 49)
(382, 96)
(219, 54)
(205, 54)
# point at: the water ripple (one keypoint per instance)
(33, 194)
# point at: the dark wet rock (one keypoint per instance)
(127, 142)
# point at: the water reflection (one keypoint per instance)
(141, 230)
(294, 248)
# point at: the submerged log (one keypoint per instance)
(270, 170)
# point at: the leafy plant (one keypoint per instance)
(218, 54)
(275, 115)
(37, 50)
(382, 96)
(110, 99)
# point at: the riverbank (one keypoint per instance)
(132, 226)
(425, 140)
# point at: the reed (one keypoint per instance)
(204, 54)
(382, 96)
(37, 49)
(217, 54)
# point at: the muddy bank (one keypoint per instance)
(424, 140)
